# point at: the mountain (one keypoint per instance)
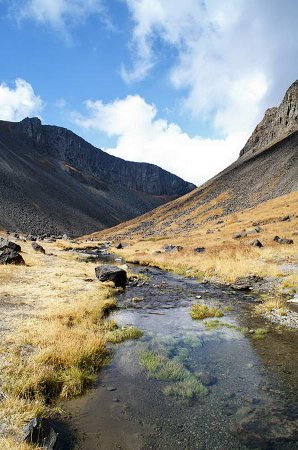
(53, 181)
(266, 169)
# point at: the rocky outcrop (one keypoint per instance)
(277, 123)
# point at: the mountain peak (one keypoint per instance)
(277, 123)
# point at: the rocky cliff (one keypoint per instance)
(53, 181)
(278, 122)
(66, 146)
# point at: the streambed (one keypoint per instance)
(231, 391)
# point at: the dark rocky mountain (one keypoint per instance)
(53, 181)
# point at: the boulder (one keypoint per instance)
(247, 283)
(9, 256)
(199, 249)
(119, 246)
(31, 238)
(112, 273)
(4, 244)
(239, 235)
(285, 241)
(256, 243)
(37, 247)
(40, 432)
(172, 248)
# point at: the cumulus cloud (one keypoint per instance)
(19, 101)
(59, 14)
(142, 136)
(234, 58)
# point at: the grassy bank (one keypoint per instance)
(53, 336)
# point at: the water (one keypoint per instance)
(249, 392)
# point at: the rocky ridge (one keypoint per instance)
(53, 181)
(278, 122)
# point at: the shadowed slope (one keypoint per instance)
(53, 181)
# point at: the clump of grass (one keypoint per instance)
(272, 303)
(213, 324)
(193, 341)
(201, 311)
(151, 361)
(122, 334)
(228, 308)
(187, 388)
(259, 333)
(162, 368)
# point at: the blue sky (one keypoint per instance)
(178, 84)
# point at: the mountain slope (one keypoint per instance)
(265, 170)
(52, 181)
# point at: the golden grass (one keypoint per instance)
(225, 258)
(56, 339)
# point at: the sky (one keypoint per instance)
(180, 84)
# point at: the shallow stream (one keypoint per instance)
(189, 384)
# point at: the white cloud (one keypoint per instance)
(18, 102)
(59, 14)
(141, 136)
(234, 57)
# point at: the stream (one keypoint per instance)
(190, 385)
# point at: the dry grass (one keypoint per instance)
(225, 258)
(54, 342)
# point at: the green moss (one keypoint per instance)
(187, 388)
(123, 334)
(201, 311)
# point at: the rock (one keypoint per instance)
(37, 247)
(65, 237)
(111, 273)
(239, 235)
(258, 229)
(256, 243)
(41, 433)
(111, 389)
(31, 238)
(9, 256)
(286, 218)
(285, 241)
(4, 244)
(119, 246)
(207, 379)
(49, 240)
(200, 249)
(276, 238)
(172, 248)
(246, 283)
(277, 123)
